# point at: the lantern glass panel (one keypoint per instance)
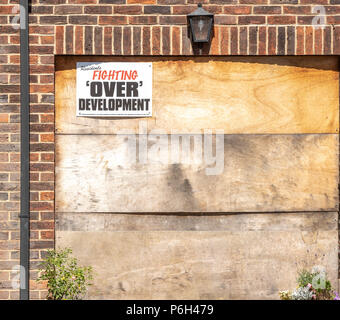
(200, 27)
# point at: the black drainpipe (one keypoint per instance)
(24, 152)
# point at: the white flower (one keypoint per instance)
(302, 293)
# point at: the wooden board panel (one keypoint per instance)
(237, 95)
(231, 264)
(261, 173)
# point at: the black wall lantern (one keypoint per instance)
(200, 23)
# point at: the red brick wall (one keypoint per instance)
(118, 27)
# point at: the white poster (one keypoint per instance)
(114, 89)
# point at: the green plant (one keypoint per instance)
(317, 282)
(304, 277)
(65, 279)
(311, 286)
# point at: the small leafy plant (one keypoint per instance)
(65, 279)
(311, 286)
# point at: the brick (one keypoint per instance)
(69, 36)
(271, 40)
(142, 1)
(79, 42)
(3, 117)
(83, 19)
(281, 20)
(291, 40)
(41, 244)
(309, 40)
(4, 235)
(127, 39)
(117, 40)
(297, 9)
(243, 43)
(9, 225)
(9, 49)
(164, 10)
(4, 176)
(171, 20)
(98, 40)
(267, 10)
(251, 20)
(9, 147)
(53, 20)
(38, 206)
(262, 43)
(137, 40)
(7, 9)
(181, 10)
(108, 40)
(300, 37)
(284, 1)
(4, 294)
(318, 41)
(143, 20)
(47, 235)
(98, 9)
(166, 40)
(217, 1)
(88, 40)
(4, 275)
(333, 20)
(336, 40)
(42, 49)
(111, 1)
(224, 32)
(47, 196)
(172, 2)
(59, 48)
(156, 37)
(237, 9)
(225, 20)
(39, 147)
(41, 186)
(281, 41)
(112, 20)
(66, 9)
(253, 1)
(332, 9)
(42, 167)
(327, 35)
(234, 41)
(128, 9)
(146, 40)
(314, 2)
(305, 19)
(176, 41)
(253, 33)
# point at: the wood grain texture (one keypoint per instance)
(238, 95)
(262, 173)
(234, 263)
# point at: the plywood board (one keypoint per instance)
(226, 264)
(260, 173)
(237, 95)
